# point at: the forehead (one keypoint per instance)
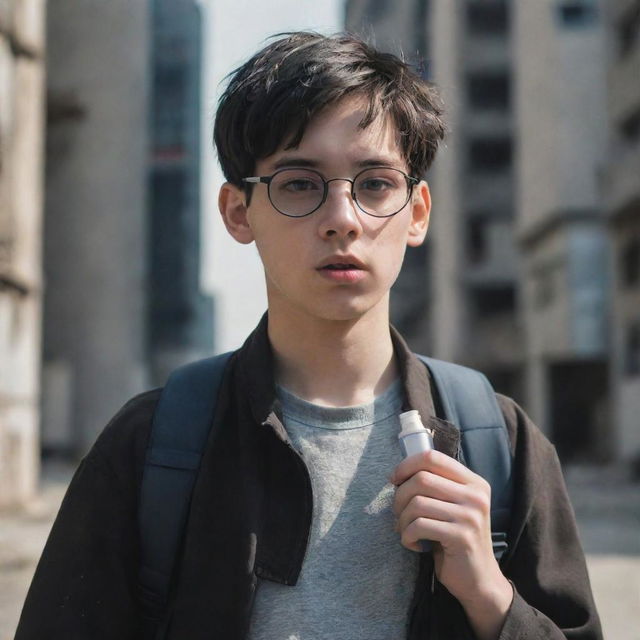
(334, 138)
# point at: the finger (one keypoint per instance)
(435, 462)
(422, 507)
(427, 529)
(427, 484)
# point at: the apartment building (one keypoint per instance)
(562, 141)
(622, 203)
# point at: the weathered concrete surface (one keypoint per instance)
(21, 193)
(607, 505)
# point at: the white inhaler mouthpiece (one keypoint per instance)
(414, 437)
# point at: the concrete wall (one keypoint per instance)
(561, 105)
(22, 48)
(448, 309)
(560, 97)
(622, 191)
(95, 232)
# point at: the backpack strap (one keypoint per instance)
(181, 425)
(468, 401)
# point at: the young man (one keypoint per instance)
(305, 522)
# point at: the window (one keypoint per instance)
(577, 13)
(490, 90)
(477, 239)
(494, 301)
(632, 350)
(169, 108)
(487, 17)
(488, 155)
(630, 264)
(630, 128)
(629, 30)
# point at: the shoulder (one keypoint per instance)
(524, 434)
(122, 444)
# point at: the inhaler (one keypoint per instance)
(414, 438)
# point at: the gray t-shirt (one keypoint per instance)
(357, 580)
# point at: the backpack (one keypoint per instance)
(181, 426)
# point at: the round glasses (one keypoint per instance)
(378, 191)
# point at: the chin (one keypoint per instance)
(349, 312)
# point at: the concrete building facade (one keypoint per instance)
(95, 216)
(22, 50)
(474, 252)
(561, 120)
(622, 203)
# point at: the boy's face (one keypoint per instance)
(298, 253)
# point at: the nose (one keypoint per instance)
(339, 214)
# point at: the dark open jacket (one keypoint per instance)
(250, 518)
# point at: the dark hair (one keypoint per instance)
(272, 98)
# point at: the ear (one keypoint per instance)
(420, 212)
(233, 209)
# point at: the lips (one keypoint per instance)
(341, 263)
(340, 267)
(342, 270)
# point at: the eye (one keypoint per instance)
(299, 184)
(375, 184)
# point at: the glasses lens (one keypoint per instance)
(381, 191)
(296, 192)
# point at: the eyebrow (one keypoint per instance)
(296, 161)
(293, 161)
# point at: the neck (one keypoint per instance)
(335, 363)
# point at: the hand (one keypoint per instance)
(439, 499)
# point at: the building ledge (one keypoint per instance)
(531, 235)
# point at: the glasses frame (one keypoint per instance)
(411, 182)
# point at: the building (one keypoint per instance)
(22, 50)
(122, 216)
(95, 256)
(469, 295)
(562, 135)
(180, 317)
(622, 203)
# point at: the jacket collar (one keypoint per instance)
(256, 373)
